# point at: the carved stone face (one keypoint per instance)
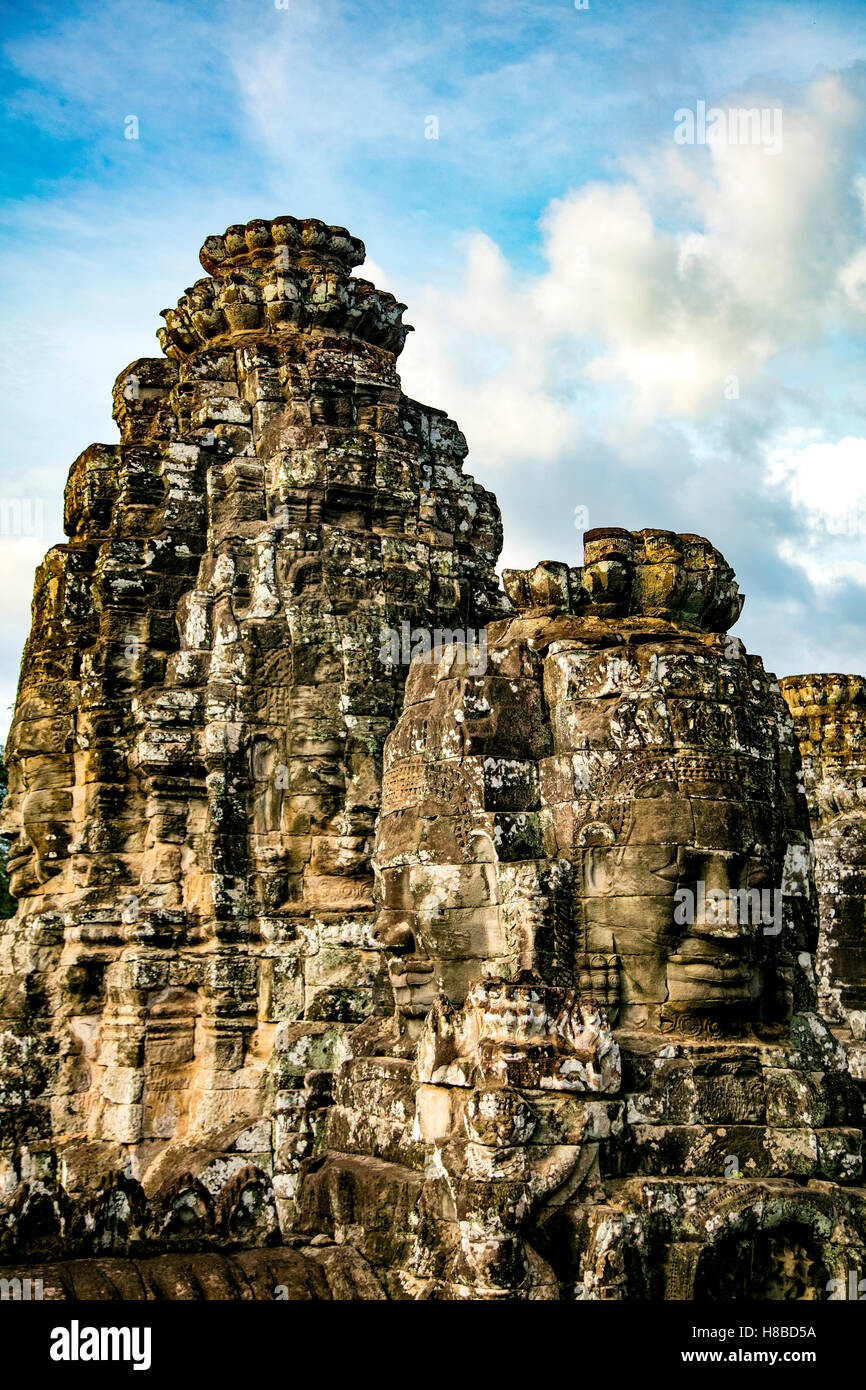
(680, 833)
(21, 863)
(687, 895)
(36, 820)
(601, 805)
(446, 934)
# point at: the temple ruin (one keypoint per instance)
(383, 932)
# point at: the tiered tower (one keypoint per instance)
(195, 755)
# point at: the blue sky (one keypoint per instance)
(662, 334)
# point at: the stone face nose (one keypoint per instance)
(395, 930)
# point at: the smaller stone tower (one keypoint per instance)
(830, 719)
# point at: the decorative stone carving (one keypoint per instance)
(511, 995)
(195, 756)
(498, 1116)
(829, 714)
(611, 811)
(628, 818)
(519, 1032)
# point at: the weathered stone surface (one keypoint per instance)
(829, 714)
(603, 823)
(318, 1273)
(654, 769)
(509, 995)
(195, 756)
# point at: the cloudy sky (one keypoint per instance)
(631, 328)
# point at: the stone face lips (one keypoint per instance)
(829, 714)
(194, 762)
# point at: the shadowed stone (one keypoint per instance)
(829, 713)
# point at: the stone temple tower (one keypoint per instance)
(829, 712)
(606, 1075)
(195, 756)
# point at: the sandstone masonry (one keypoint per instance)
(531, 970)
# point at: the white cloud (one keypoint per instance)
(826, 480)
(484, 354)
(766, 254)
(825, 483)
(681, 359)
(593, 374)
(823, 574)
